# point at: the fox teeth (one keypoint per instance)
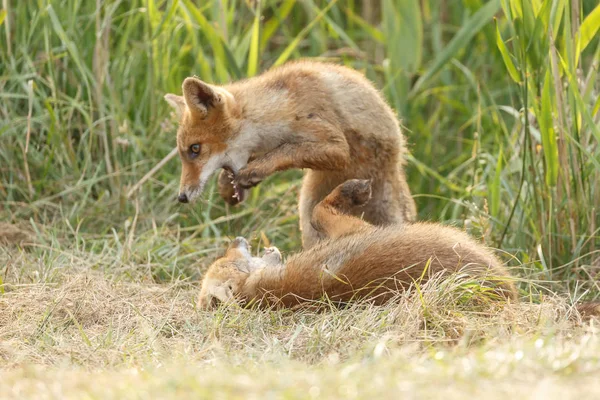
(236, 192)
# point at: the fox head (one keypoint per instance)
(226, 276)
(210, 120)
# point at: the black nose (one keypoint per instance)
(182, 198)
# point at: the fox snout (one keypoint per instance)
(188, 195)
(190, 184)
(182, 198)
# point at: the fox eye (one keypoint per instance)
(195, 150)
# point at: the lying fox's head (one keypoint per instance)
(226, 276)
(210, 121)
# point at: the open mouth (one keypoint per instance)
(238, 194)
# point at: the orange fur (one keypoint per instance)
(589, 309)
(359, 260)
(322, 117)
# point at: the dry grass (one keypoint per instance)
(519, 369)
(69, 329)
(97, 288)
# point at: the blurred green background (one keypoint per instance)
(499, 101)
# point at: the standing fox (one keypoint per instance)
(322, 117)
(355, 260)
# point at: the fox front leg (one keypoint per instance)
(327, 150)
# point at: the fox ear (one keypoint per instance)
(177, 102)
(200, 96)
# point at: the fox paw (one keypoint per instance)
(272, 256)
(227, 189)
(247, 178)
(356, 191)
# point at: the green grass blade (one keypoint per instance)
(596, 107)
(404, 34)
(469, 29)
(588, 29)
(287, 52)
(495, 186)
(168, 16)
(586, 112)
(404, 44)
(337, 29)
(510, 66)
(70, 45)
(547, 130)
(153, 14)
(222, 59)
(282, 11)
(253, 53)
(556, 13)
(372, 31)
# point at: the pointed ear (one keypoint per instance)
(200, 96)
(223, 291)
(177, 102)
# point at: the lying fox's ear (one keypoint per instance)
(177, 102)
(200, 96)
(223, 291)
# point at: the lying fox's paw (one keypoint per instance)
(248, 177)
(272, 256)
(227, 189)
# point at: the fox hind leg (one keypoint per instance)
(350, 194)
(331, 217)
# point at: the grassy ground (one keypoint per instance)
(70, 331)
(98, 281)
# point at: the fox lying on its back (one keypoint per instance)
(355, 260)
(323, 117)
